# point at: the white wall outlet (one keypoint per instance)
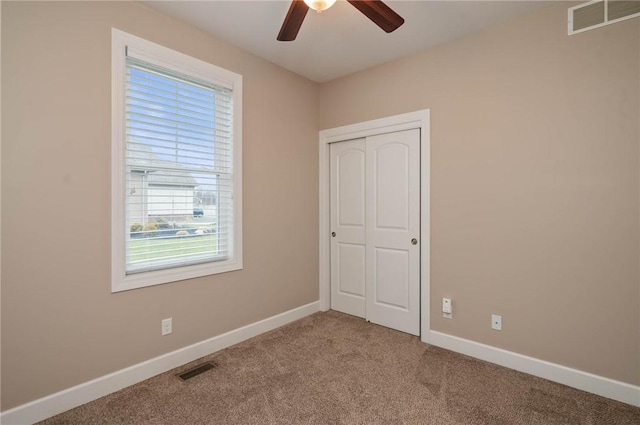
(496, 322)
(447, 308)
(167, 326)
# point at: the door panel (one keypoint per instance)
(392, 279)
(351, 186)
(348, 219)
(391, 186)
(351, 266)
(393, 220)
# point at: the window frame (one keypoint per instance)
(122, 44)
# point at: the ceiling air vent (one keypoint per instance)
(598, 13)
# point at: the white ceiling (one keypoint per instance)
(340, 40)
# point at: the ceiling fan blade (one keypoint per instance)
(379, 13)
(293, 20)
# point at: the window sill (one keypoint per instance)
(121, 282)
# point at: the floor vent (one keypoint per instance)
(197, 370)
(598, 13)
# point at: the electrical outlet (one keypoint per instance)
(167, 326)
(496, 322)
(446, 305)
(447, 308)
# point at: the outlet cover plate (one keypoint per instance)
(496, 322)
(167, 326)
(446, 305)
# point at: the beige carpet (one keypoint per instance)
(332, 368)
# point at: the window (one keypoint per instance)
(176, 166)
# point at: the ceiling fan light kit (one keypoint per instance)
(378, 12)
(319, 5)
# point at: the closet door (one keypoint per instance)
(393, 230)
(348, 218)
(375, 224)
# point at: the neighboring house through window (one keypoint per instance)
(176, 166)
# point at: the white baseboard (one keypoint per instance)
(595, 384)
(62, 401)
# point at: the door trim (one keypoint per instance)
(408, 121)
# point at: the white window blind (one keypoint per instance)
(179, 169)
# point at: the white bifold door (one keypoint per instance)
(375, 229)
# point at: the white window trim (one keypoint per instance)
(179, 62)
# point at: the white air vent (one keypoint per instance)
(598, 13)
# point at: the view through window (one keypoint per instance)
(178, 156)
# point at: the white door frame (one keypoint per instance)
(411, 120)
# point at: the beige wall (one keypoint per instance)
(535, 191)
(534, 182)
(61, 326)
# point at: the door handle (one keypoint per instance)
(333, 234)
(414, 241)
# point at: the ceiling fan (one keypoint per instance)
(381, 15)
